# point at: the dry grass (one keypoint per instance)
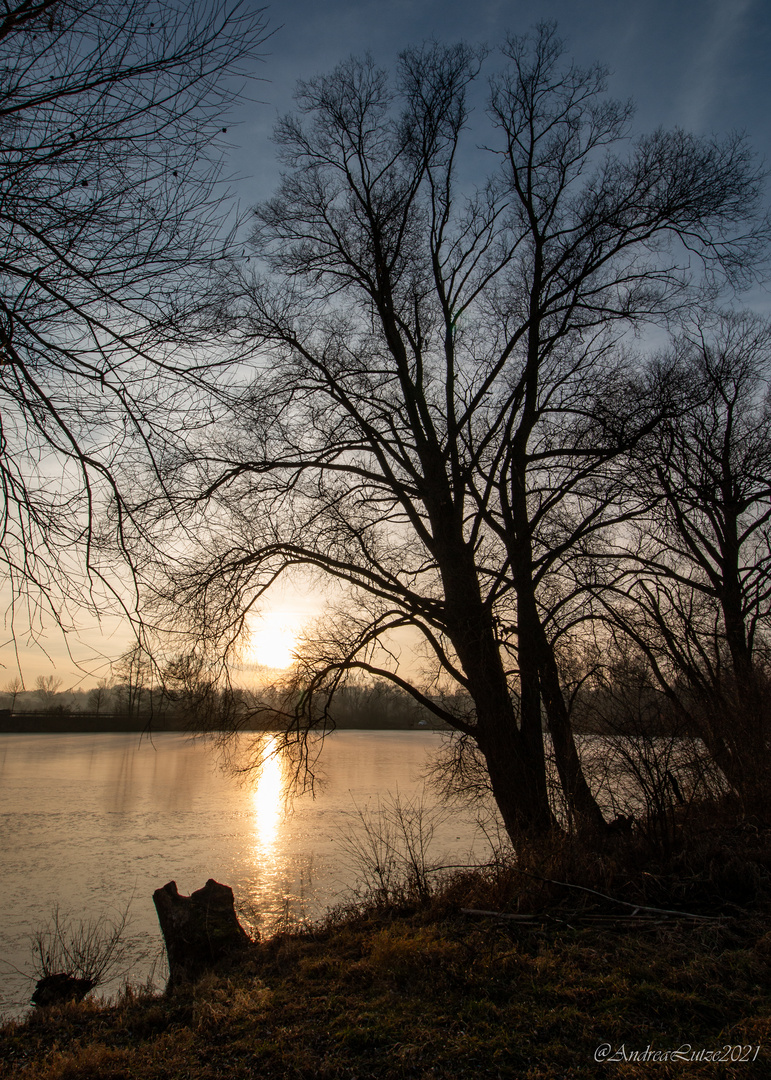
(421, 991)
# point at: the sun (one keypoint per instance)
(273, 640)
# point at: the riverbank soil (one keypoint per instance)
(559, 983)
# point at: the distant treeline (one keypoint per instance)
(199, 706)
(129, 707)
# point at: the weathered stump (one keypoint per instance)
(200, 931)
(56, 989)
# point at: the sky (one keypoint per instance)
(698, 64)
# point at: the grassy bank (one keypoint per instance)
(404, 990)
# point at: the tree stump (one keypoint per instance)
(200, 931)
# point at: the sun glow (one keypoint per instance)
(273, 640)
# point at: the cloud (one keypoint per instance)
(709, 73)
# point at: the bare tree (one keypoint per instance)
(696, 596)
(13, 688)
(428, 424)
(191, 690)
(111, 219)
(98, 697)
(47, 689)
(133, 687)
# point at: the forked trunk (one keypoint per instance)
(513, 751)
(539, 678)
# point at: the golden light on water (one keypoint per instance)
(267, 799)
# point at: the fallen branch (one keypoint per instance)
(625, 903)
(645, 919)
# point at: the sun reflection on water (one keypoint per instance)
(267, 800)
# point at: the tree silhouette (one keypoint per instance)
(430, 422)
(695, 593)
(111, 219)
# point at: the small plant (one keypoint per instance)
(388, 847)
(86, 952)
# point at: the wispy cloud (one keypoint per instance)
(709, 72)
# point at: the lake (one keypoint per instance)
(91, 822)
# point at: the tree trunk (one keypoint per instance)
(517, 781)
(540, 680)
(578, 795)
(514, 755)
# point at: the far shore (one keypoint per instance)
(83, 723)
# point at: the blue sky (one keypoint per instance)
(698, 64)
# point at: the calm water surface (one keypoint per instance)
(90, 821)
